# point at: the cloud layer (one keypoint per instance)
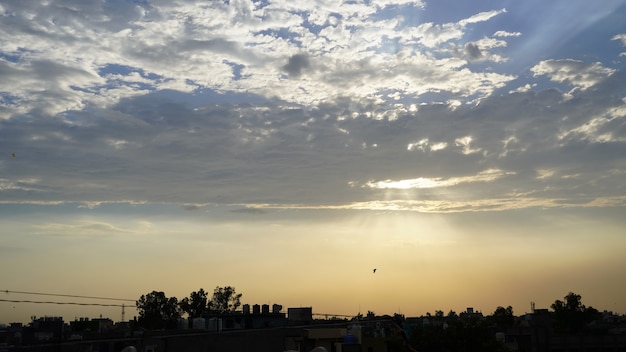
(302, 104)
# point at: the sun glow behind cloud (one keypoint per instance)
(483, 176)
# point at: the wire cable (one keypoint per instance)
(71, 296)
(68, 303)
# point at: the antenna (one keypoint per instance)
(122, 312)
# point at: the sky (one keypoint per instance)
(474, 153)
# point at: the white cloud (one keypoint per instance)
(545, 173)
(510, 144)
(195, 44)
(573, 72)
(383, 3)
(599, 129)
(506, 34)
(438, 146)
(621, 38)
(466, 144)
(525, 88)
(480, 50)
(27, 185)
(424, 145)
(420, 145)
(481, 17)
(422, 182)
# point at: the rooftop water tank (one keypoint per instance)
(199, 323)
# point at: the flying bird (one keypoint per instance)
(13, 155)
(374, 271)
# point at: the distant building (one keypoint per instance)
(302, 315)
(260, 317)
(44, 329)
(91, 325)
(471, 314)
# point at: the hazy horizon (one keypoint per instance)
(413, 277)
(472, 152)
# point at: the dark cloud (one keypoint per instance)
(155, 149)
(218, 45)
(473, 52)
(296, 65)
(249, 211)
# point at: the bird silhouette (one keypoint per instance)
(13, 155)
(374, 271)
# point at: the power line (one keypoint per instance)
(333, 315)
(100, 304)
(71, 296)
(68, 303)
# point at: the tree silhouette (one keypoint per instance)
(503, 317)
(225, 300)
(196, 305)
(156, 310)
(571, 316)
